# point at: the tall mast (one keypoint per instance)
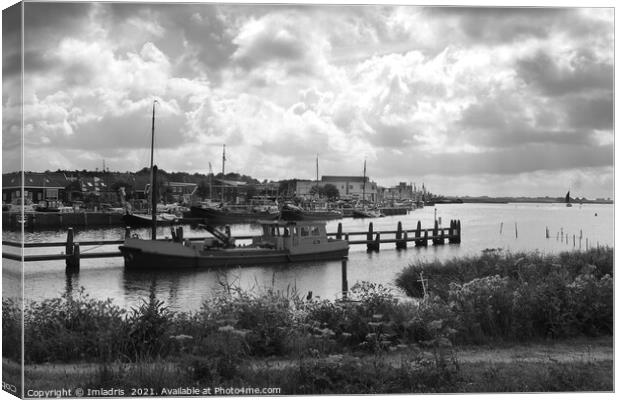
(364, 185)
(317, 174)
(223, 169)
(152, 151)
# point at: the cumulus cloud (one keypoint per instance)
(431, 93)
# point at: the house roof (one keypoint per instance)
(51, 180)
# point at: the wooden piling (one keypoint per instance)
(127, 232)
(339, 232)
(69, 248)
(501, 227)
(76, 258)
(573, 240)
(437, 237)
(400, 243)
(516, 231)
(458, 229)
(180, 234)
(369, 238)
(345, 283)
(377, 243)
(404, 242)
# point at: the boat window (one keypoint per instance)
(315, 231)
(305, 231)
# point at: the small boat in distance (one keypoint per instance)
(567, 199)
(280, 242)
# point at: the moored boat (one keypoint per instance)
(145, 220)
(292, 212)
(366, 213)
(234, 214)
(280, 242)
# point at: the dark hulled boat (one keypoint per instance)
(234, 214)
(280, 242)
(292, 212)
(146, 220)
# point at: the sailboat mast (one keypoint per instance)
(364, 185)
(317, 174)
(223, 169)
(152, 152)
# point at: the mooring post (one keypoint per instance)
(573, 240)
(345, 283)
(436, 235)
(69, 248)
(76, 258)
(227, 230)
(369, 244)
(339, 231)
(127, 232)
(516, 231)
(458, 230)
(425, 240)
(377, 242)
(180, 234)
(404, 243)
(399, 235)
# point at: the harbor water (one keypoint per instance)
(511, 227)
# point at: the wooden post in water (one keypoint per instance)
(436, 239)
(546, 232)
(516, 231)
(75, 264)
(127, 232)
(369, 244)
(69, 249)
(573, 240)
(400, 244)
(377, 243)
(501, 227)
(458, 228)
(404, 240)
(180, 234)
(339, 232)
(345, 283)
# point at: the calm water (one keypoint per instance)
(483, 226)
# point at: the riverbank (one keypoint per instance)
(537, 318)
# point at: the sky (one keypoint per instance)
(468, 101)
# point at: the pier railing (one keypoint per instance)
(373, 240)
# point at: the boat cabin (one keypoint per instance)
(286, 235)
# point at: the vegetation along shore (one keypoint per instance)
(492, 323)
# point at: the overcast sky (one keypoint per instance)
(470, 101)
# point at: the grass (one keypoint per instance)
(371, 343)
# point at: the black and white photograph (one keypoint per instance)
(299, 199)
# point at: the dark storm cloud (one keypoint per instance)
(11, 41)
(588, 113)
(552, 79)
(491, 25)
(503, 161)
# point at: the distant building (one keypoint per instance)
(349, 187)
(403, 191)
(38, 186)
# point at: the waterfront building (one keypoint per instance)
(349, 187)
(38, 186)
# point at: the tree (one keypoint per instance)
(202, 190)
(329, 191)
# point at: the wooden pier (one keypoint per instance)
(74, 251)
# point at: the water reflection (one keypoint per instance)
(484, 226)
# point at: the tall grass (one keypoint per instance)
(520, 296)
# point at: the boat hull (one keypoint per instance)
(140, 221)
(308, 215)
(146, 255)
(223, 216)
